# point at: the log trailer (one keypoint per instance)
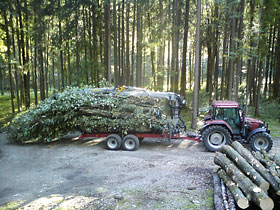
(224, 125)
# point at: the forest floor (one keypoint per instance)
(75, 174)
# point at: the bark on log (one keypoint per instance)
(277, 159)
(245, 167)
(256, 165)
(218, 199)
(237, 194)
(231, 201)
(273, 167)
(270, 166)
(224, 195)
(252, 191)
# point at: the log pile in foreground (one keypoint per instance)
(253, 179)
(89, 112)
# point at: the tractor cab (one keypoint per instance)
(228, 123)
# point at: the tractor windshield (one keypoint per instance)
(229, 115)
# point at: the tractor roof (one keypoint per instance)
(225, 104)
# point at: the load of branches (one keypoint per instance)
(89, 112)
(251, 179)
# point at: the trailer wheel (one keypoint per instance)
(214, 137)
(261, 141)
(113, 142)
(130, 143)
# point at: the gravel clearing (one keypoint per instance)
(75, 174)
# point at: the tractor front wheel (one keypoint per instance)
(214, 137)
(261, 141)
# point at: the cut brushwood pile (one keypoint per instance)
(90, 112)
(252, 178)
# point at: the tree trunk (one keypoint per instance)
(190, 69)
(139, 46)
(123, 46)
(94, 44)
(20, 63)
(267, 61)
(237, 194)
(115, 29)
(276, 84)
(127, 69)
(160, 63)
(224, 65)
(256, 165)
(85, 47)
(77, 44)
(132, 43)
(119, 45)
(60, 46)
(245, 167)
(27, 75)
(239, 59)
(232, 50)
(107, 41)
(272, 66)
(196, 70)
(184, 56)
(9, 59)
(15, 66)
(252, 192)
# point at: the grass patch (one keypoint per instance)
(6, 114)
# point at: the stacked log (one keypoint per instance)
(252, 178)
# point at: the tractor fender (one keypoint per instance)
(217, 122)
(253, 132)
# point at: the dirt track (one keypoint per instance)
(73, 174)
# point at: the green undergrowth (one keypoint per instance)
(269, 113)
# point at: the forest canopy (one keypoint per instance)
(47, 45)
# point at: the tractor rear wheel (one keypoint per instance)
(113, 141)
(130, 143)
(261, 141)
(214, 137)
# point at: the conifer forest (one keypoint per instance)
(230, 48)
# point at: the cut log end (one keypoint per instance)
(264, 186)
(278, 192)
(243, 203)
(267, 204)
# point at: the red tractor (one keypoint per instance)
(228, 123)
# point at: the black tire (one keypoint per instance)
(261, 141)
(130, 143)
(113, 142)
(214, 137)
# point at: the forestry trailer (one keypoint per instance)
(227, 123)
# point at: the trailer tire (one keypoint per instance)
(214, 137)
(113, 142)
(261, 141)
(130, 143)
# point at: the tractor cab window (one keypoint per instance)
(219, 114)
(229, 115)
